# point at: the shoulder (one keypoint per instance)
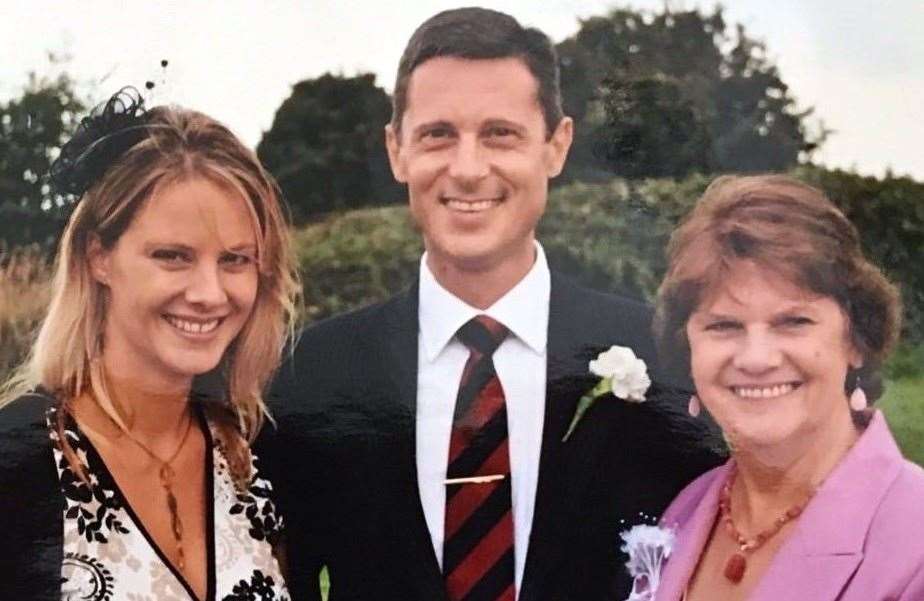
(894, 549)
(903, 502)
(338, 366)
(25, 446)
(24, 414)
(598, 301)
(30, 501)
(591, 317)
(348, 332)
(693, 494)
(901, 482)
(348, 322)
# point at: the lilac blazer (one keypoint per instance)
(861, 538)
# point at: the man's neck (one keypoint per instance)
(481, 285)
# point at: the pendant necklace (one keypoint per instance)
(167, 475)
(737, 564)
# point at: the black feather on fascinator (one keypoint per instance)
(101, 139)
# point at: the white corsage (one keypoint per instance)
(621, 373)
(648, 548)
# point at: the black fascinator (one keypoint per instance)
(101, 139)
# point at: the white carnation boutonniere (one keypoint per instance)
(621, 373)
(648, 548)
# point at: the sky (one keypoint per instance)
(859, 63)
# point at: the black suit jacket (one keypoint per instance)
(342, 456)
(31, 504)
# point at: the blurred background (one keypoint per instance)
(665, 96)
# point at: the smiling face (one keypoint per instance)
(181, 283)
(474, 153)
(769, 360)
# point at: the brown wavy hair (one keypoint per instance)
(791, 229)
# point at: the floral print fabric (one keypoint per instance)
(109, 557)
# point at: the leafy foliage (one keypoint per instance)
(326, 146)
(25, 275)
(610, 235)
(670, 93)
(889, 213)
(352, 260)
(32, 129)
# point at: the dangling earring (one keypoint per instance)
(858, 400)
(694, 407)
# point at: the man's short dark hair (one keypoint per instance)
(480, 33)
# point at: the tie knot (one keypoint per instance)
(482, 334)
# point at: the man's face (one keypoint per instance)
(475, 156)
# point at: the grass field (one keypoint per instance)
(903, 405)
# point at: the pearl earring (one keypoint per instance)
(858, 400)
(694, 406)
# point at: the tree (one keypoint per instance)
(33, 128)
(326, 146)
(653, 130)
(669, 93)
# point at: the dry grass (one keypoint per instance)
(24, 293)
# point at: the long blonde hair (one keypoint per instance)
(177, 144)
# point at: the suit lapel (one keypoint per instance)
(409, 525)
(560, 480)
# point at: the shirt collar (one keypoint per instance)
(524, 309)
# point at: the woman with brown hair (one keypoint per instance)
(126, 471)
(784, 324)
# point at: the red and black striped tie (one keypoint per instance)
(478, 539)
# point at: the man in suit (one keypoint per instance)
(419, 452)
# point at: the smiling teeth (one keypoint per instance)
(192, 327)
(471, 207)
(763, 392)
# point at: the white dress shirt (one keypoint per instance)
(520, 362)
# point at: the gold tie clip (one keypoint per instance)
(475, 479)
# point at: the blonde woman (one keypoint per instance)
(125, 470)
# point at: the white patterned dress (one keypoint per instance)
(109, 556)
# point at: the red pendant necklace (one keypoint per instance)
(738, 563)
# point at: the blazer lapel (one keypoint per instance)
(821, 555)
(691, 536)
(559, 483)
(409, 524)
(815, 577)
(826, 547)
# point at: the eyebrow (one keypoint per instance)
(709, 316)
(799, 307)
(242, 247)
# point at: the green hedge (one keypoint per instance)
(611, 236)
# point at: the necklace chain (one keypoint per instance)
(166, 475)
(737, 563)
